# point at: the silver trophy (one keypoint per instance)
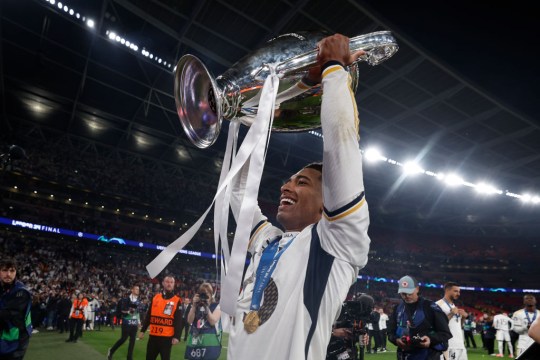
(202, 101)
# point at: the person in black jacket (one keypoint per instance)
(129, 311)
(63, 309)
(15, 323)
(417, 326)
(373, 331)
(186, 307)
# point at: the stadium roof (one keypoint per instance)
(457, 97)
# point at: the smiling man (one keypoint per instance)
(298, 278)
(15, 323)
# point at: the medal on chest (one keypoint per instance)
(252, 322)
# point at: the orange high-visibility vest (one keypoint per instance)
(162, 315)
(78, 308)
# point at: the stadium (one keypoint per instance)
(98, 176)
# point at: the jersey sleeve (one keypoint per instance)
(345, 218)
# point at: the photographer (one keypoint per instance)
(349, 328)
(204, 341)
(130, 322)
(417, 326)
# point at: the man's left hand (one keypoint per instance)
(175, 341)
(426, 341)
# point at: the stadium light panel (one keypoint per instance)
(453, 180)
(90, 23)
(411, 168)
(373, 154)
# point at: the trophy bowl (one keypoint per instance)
(202, 101)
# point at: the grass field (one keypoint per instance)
(47, 345)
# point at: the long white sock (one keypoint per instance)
(510, 348)
(501, 347)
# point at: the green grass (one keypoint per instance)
(47, 345)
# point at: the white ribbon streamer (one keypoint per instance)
(253, 148)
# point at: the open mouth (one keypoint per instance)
(286, 202)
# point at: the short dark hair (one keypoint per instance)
(450, 285)
(314, 165)
(8, 263)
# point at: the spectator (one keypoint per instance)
(15, 302)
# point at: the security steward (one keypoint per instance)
(15, 322)
(164, 318)
(417, 326)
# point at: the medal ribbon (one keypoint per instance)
(450, 306)
(267, 265)
(527, 316)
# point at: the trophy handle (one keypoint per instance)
(198, 101)
(378, 46)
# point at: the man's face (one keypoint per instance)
(168, 283)
(410, 298)
(186, 301)
(453, 293)
(301, 201)
(135, 290)
(8, 275)
(529, 301)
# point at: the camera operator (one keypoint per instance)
(417, 326)
(349, 328)
(204, 341)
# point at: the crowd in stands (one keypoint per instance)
(54, 268)
(139, 203)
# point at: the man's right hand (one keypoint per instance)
(401, 344)
(141, 335)
(342, 333)
(336, 48)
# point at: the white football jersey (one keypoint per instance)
(314, 274)
(522, 320)
(502, 322)
(457, 340)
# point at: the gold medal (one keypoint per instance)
(252, 322)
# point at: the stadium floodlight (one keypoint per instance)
(411, 168)
(535, 200)
(60, 5)
(90, 23)
(453, 180)
(484, 188)
(526, 198)
(71, 12)
(373, 154)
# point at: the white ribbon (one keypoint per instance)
(253, 148)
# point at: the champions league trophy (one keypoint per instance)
(202, 102)
(265, 91)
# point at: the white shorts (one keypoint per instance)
(503, 335)
(455, 354)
